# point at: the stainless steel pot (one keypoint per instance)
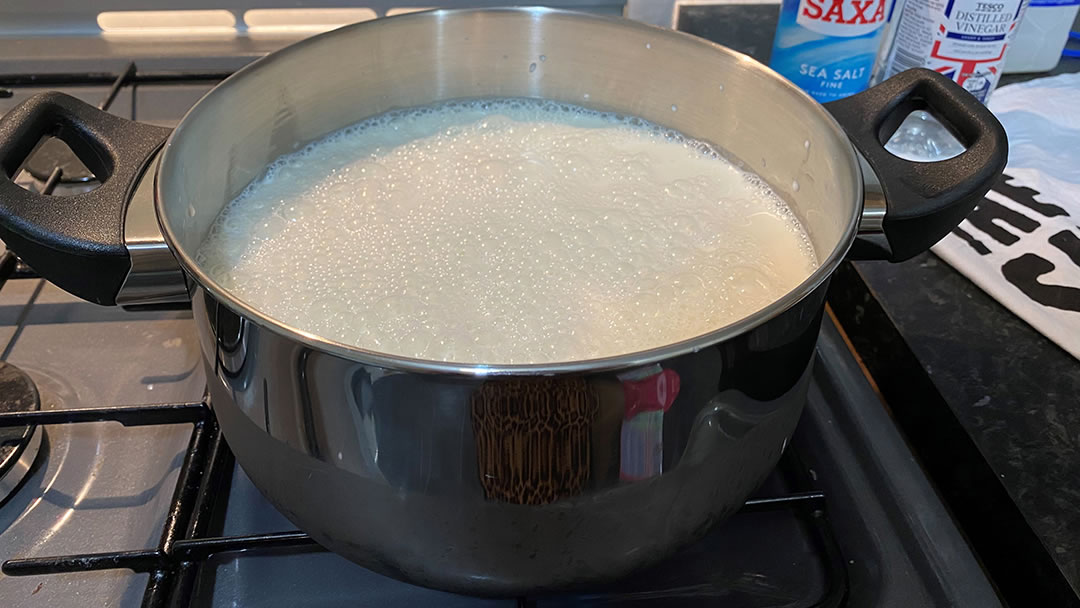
(504, 478)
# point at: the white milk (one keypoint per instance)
(506, 231)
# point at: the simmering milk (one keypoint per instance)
(506, 231)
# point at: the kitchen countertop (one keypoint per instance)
(1004, 445)
(988, 403)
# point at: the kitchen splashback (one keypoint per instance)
(21, 18)
(73, 36)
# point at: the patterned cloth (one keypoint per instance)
(1022, 243)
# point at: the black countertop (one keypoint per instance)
(1010, 390)
(991, 407)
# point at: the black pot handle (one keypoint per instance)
(924, 201)
(74, 241)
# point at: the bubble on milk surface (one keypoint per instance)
(506, 231)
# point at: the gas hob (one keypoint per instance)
(130, 496)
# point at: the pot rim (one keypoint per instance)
(409, 364)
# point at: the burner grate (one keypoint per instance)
(18, 445)
(185, 542)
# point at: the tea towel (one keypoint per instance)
(1021, 244)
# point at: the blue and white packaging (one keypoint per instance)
(828, 47)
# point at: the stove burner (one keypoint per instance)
(18, 445)
(54, 153)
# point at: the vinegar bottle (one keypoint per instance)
(965, 40)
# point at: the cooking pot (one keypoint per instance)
(494, 479)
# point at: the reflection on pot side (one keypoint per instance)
(495, 484)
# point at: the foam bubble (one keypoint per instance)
(507, 231)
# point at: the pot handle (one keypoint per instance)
(74, 241)
(924, 201)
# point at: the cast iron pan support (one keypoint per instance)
(924, 201)
(75, 241)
